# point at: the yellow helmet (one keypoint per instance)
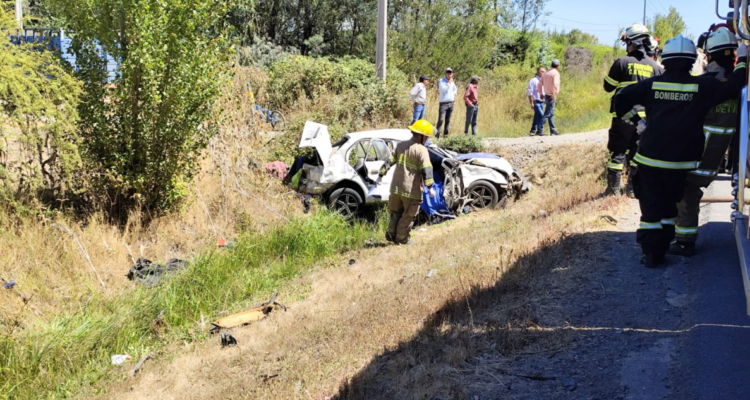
(422, 127)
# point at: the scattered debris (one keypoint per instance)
(422, 230)
(277, 169)
(146, 272)
(223, 243)
(431, 273)
(306, 203)
(9, 284)
(352, 262)
(228, 340)
(466, 209)
(612, 220)
(542, 213)
(247, 316)
(139, 365)
(267, 377)
(119, 359)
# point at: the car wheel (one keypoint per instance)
(346, 202)
(482, 194)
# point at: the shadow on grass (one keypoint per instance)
(493, 324)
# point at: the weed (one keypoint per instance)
(73, 350)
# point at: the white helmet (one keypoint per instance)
(721, 39)
(679, 47)
(636, 31)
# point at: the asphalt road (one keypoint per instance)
(713, 361)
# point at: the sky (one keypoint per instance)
(604, 18)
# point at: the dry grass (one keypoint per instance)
(396, 332)
(504, 109)
(232, 194)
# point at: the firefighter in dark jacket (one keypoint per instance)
(636, 66)
(719, 127)
(672, 144)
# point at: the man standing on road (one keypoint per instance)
(550, 88)
(536, 100)
(447, 90)
(671, 145)
(418, 97)
(413, 173)
(634, 67)
(719, 127)
(472, 106)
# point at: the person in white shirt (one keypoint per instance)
(418, 97)
(448, 90)
(536, 100)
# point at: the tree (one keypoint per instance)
(430, 35)
(144, 135)
(520, 15)
(668, 26)
(39, 156)
(577, 37)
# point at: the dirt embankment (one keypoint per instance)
(443, 318)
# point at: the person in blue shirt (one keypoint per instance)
(447, 90)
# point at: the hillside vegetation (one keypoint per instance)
(170, 158)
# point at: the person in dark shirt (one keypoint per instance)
(636, 66)
(672, 143)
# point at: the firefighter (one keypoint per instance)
(627, 70)
(413, 173)
(672, 143)
(719, 127)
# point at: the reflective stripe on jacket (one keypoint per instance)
(413, 169)
(676, 105)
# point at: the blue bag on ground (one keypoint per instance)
(437, 204)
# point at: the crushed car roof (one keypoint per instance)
(394, 134)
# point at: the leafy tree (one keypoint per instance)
(429, 35)
(544, 55)
(39, 156)
(668, 26)
(520, 15)
(577, 37)
(144, 136)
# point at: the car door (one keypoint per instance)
(378, 154)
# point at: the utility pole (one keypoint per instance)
(19, 13)
(381, 42)
(644, 12)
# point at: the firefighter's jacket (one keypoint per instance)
(628, 70)
(720, 124)
(676, 105)
(413, 169)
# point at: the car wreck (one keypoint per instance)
(345, 173)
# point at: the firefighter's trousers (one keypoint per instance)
(622, 145)
(658, 191)
(403, 211)
(688, 217)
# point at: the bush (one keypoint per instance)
(40, 147)
(143, 139)
(464, 144)
(262, 53)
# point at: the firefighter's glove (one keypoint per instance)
(742, 51)
(432, 192)
(641, 127)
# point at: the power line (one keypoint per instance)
(589, 23)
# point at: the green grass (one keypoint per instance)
(70, 354)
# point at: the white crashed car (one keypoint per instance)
(344, 173)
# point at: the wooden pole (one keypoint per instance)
(19, 13)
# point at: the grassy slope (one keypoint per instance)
(73, 350)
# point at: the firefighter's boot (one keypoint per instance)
(614, 181)
(629, 191)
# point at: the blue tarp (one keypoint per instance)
(437, 204)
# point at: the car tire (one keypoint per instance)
(346, 201)
(482, 195)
